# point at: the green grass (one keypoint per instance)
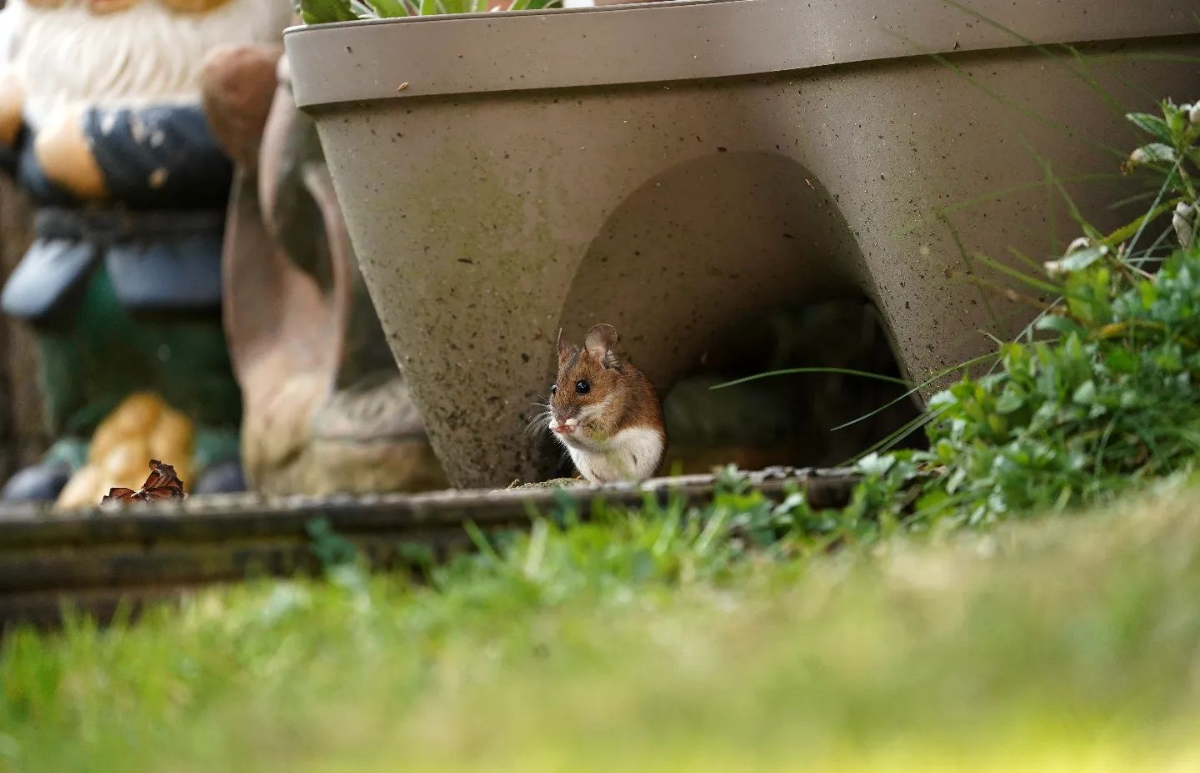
(639, 644)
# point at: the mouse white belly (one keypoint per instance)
(631, 454)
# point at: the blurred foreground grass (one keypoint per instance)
(1059, 644)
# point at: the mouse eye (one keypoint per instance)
(554, 389)
(582, 387)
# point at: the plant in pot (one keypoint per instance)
(329, 11)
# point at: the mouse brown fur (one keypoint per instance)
(605, 411)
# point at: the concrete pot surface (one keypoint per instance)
(674, 168)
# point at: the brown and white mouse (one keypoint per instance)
(605, 411)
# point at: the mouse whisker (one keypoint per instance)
(539, 423)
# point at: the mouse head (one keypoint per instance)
(587, 379)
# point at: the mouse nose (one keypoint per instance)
(563, 422)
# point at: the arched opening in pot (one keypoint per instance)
(808, 419)
(732, 265)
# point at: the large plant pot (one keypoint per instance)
(671, 168)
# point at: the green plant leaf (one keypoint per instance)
(1076, 261)
(325, 11)
(1058, 324)
(1121, 360)
(1152, 125)
(1010, 401)
(1152, 153)
(1086, 393)
(391, 9)
(1176, 121)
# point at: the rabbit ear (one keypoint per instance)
(600, 341)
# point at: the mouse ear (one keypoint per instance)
(565, 350)
(600, 341)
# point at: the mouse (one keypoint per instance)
(605, 411)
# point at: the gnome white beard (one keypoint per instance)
(67, 55)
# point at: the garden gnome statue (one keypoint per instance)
(326, 408)
(101, 124)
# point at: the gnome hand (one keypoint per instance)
(238, 85)
(12, 100)
(65, 155)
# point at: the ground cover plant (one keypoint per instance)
(1105, 396)
(1097, 396)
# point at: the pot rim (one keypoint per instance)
(684, 40)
